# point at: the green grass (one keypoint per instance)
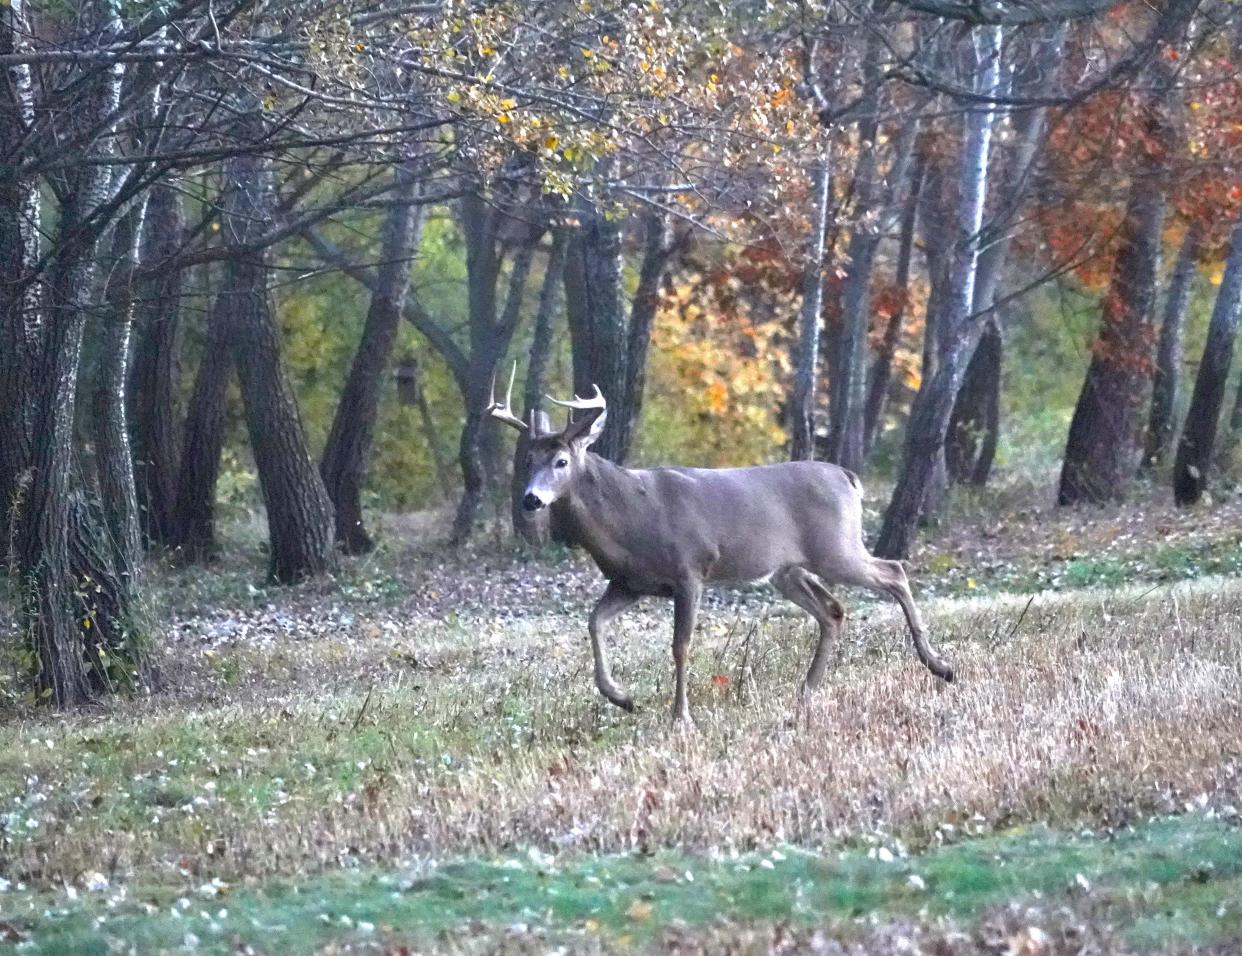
(1184, 560)
(1172, 881)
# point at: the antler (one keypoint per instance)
(504, 412)
(593, 422)
(595, 401)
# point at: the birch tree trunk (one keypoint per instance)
(153, 378)
(806, 356)
(929, 416)
(19, 291)
(114, 462)
(1169, 351)
(74, 639)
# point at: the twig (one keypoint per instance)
(362, 710)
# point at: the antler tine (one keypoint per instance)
(504, 412)
(595, 401)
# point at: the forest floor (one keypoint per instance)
(413, 757)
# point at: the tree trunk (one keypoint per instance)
(66, 646)
(348, 450)
(154, 373)
(299, 514)
(1169, 351)
(490, 335)
(19, 290)
(849, 364)
(536, 378)
(595, 308)
(970, 444)
(881, 375)
(974, 426)
(195, 511)
(1102, 450)
(806, 359)
(1194, 450)
(1234, 436)
(657, 249)
(114, 461)
(929, 416)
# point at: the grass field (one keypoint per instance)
(413, 757)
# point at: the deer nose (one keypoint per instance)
(532, 502)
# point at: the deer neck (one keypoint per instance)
(593, 511)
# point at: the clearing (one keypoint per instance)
(413, 757)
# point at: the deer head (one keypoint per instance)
(553, 459)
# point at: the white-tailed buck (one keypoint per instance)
(667, 531)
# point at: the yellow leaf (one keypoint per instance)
(639, 910)
(971, 583)
(550, 142)
(913, 378)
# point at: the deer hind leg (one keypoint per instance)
(808, 592)
(614, 600)
(889, 577)
(685, 610)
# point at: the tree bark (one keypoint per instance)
(72, 661)
(849, 387)
(1169, 351)
(1102, 450)
(348, 449)
(114, 462)
(195, 511)
(153, 379)
(1194, 450)
(806, 357)
(490, 336)
(974, 426)
(658, 245)
(881, 375)
(594, 306)
(536, 380)
(299, 514)
(19, 289)
(929, 416)
(970, 445)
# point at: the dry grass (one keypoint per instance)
(479, 737)
(427, 706)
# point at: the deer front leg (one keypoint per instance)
(615, 600)
(685, 610)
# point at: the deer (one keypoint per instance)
(670, 531)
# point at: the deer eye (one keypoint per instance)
(562, 462)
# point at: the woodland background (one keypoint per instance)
(276, 673)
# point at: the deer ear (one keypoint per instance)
(583, 433)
